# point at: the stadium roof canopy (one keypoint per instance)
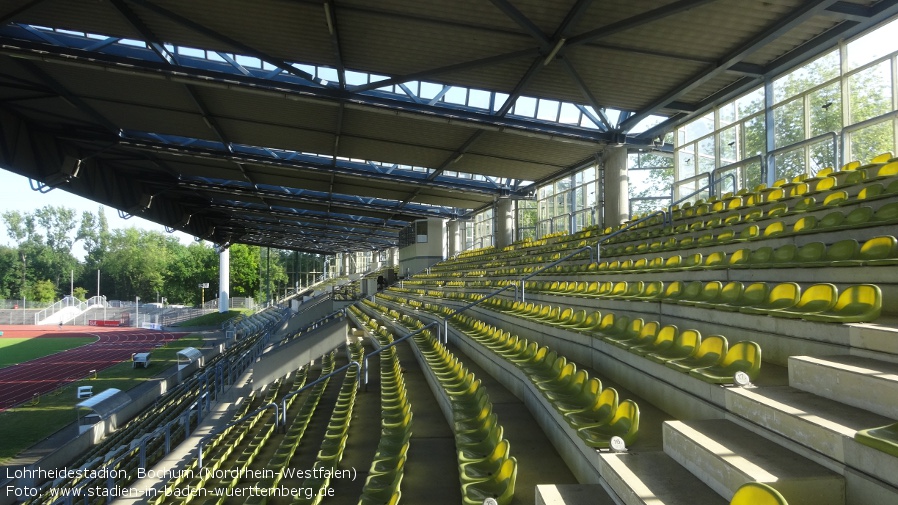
(328, 126)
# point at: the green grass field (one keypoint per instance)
(24, 426)
(214, 318)
(20, 350)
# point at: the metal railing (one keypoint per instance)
(70, 304)
(770, 168)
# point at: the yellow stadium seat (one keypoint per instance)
(743, 356)
(624, 424)
(856, 304)
(757, 493)
(883, 438)
(815, 298)
(710, 352)
(685, 343)
(781, 296)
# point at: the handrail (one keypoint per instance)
(717, 182)
(857, 126)
(771, 164)
(664, 216)
(673, 187)
(199, 446)
(734, 166)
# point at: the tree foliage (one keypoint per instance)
(131, 262)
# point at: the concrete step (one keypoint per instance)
(818, 428)
(654, 478)
(865, 383)
(725, 456)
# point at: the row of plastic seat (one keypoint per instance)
(219, 449)
(818, 302)
(388, 466)
(332, 446)
(294, 433)
(881, 250)
(709, 359)
(859, 217)
(479, 440)
(594, 412)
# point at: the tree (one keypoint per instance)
(136, 262)
(244, 261)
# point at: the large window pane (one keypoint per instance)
(806, 77)
(873, 45)
(706, 160)
(754, 138)
(729, 146)
(870, 92)
(826, 109)
(699, 127)
(788, 125)
(872, 141)
(790, 164)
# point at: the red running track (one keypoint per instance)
(19, 383)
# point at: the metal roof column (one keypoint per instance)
(456, 237)
(504, 222)
(224, 279)
(617, 197)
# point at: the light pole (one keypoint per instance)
(137, 312)
(24, 268)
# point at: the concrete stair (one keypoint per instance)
(861, 382)
(654, 478)
(725, 456)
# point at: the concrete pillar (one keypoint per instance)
(224, 280)
(617, 199)
(391, 257)
(456, 237)
(504, 222)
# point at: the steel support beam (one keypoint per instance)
(795, 18)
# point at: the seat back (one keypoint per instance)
(774, 229)
(692, 290)
(785, 294)
(817, 298)
(881, 247)
(761, 256)
(739, 257)
(710, 291)
(804, 224)
(746, 355)
(831, 220)
(858, 216)
(757, 493)
(812, 251)
(843, 250)
(858, 298)
(712, 345)
(730, 292)
(784, 253)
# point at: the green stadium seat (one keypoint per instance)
(831, 220)
(778, 210)
(709, 293)
(881, 250)
(774, 229)
(598, 411)
(839, 253)
(886, 214)
(664, 339)
(810, 254)
(885, 171)
(743, 356)
(857, 217)
(757, 493)
(739, 258)
(805, 224)
(783, 255)
(624, 424)
(781, 296)
(685, 343)
(870, 192)
(646, 333)
(480, 470)
(856, 304)
(651, 290)
(672, 291)
(815, 298)
(715, 260)
(710, 352)
(726, 294)
(582, 400)
(690, 293)
(750, 232)
(835, 199)
(499, 486)
(883, 438)
(892, 188)
(804, 204)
